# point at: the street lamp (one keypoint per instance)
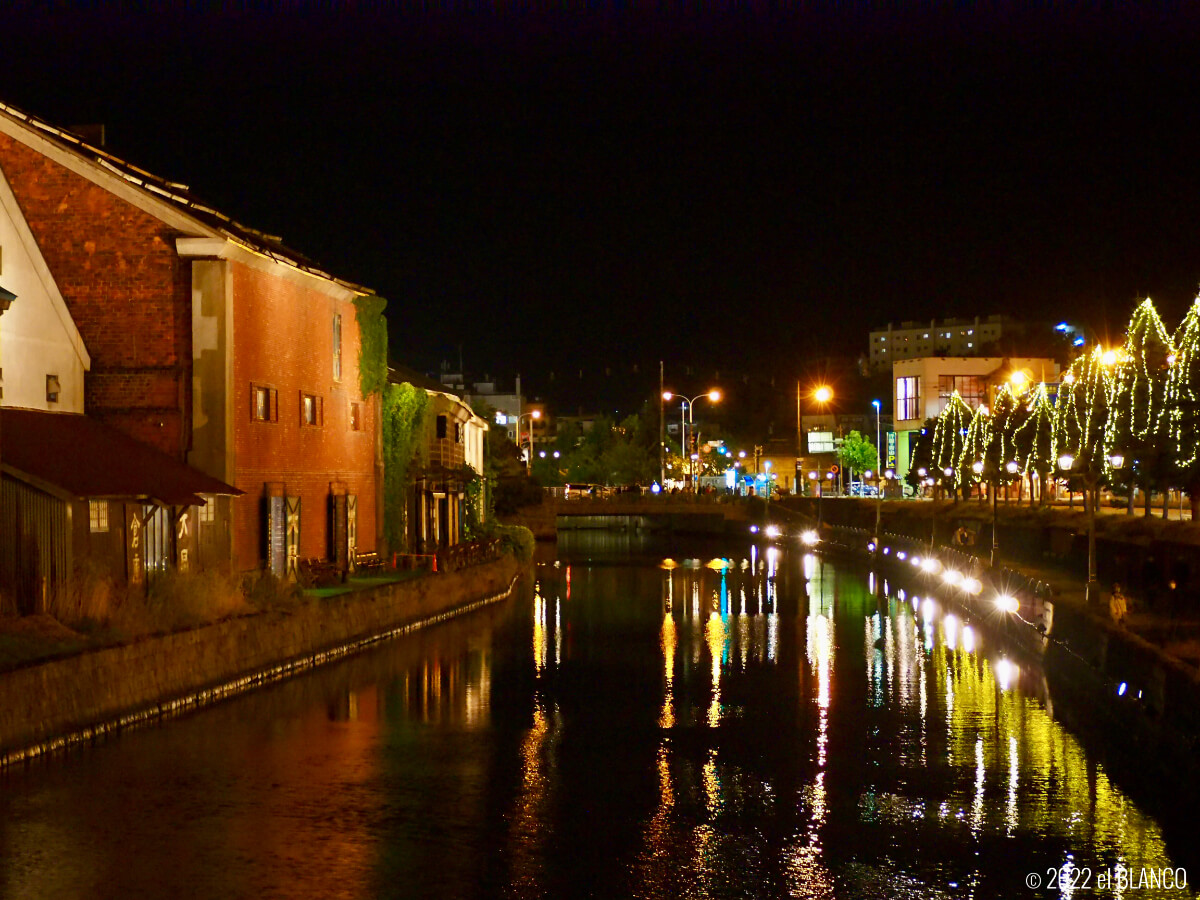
(686, 405)
(531, 415)
(822, 394)
(1067, 463)
(879, 488)
(878, 446)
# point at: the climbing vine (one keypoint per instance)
(373, 344)
(403, 414)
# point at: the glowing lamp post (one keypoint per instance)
(533, 414)
(685, 420)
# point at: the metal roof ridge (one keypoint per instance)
(161, 187)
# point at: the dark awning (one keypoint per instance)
(82, 457)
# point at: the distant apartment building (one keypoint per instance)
(949, 337)
(507, 406)
(922, 388)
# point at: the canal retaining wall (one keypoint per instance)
(1114, 684)
(52, 705)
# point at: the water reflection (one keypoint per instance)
(688, 720)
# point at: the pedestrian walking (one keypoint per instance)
(1118, 606)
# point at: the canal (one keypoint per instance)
(646, 719)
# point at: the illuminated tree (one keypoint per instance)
(1033, 439)
(975, 443)
(1139, 422)
(1183, 407)
(921, 458)
(1081, 417)
(999, 449)
(948, 439)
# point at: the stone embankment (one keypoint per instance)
(1113, 681)
(53, 705)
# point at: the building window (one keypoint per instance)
(908, 403)
(441, 427)
(264, 403)
(52, 389)
(311, 410)
(820, 442)
(98, 515)
(972, 388)
(355, 420)
(337, 348)
(207, 512)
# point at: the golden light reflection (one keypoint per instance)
(526, 835)
(666, 718)
(980, 780)
(712, 784)
(1014, 774)
(539, 633)
(715, 636)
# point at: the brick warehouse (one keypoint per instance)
(210, 341)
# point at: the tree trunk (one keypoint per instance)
(1194, 501)
(1166, 504)
(1132, 499)
(1146, 504)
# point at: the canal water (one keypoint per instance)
(644, 720)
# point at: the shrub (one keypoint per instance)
(518, 540)
(264, 591)
(178, 600)
(88, 597)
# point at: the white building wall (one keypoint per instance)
(37, 335)
(929, 370)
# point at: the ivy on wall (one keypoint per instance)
(403, 416)
(373, 344)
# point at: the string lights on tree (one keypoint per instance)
(1138, 425)
(948, 439)
(1182, 407)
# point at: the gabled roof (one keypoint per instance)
(398, 374)
(174, 195)
(77, 456)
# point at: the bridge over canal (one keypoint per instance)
(681, 513)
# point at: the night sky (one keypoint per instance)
(750, 192)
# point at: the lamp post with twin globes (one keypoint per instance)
(685, 421)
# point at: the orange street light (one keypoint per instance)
(686, 404)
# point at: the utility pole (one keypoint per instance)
(662, 428)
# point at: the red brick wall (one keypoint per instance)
(127, 291)
(283, 338)
(130, 294)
